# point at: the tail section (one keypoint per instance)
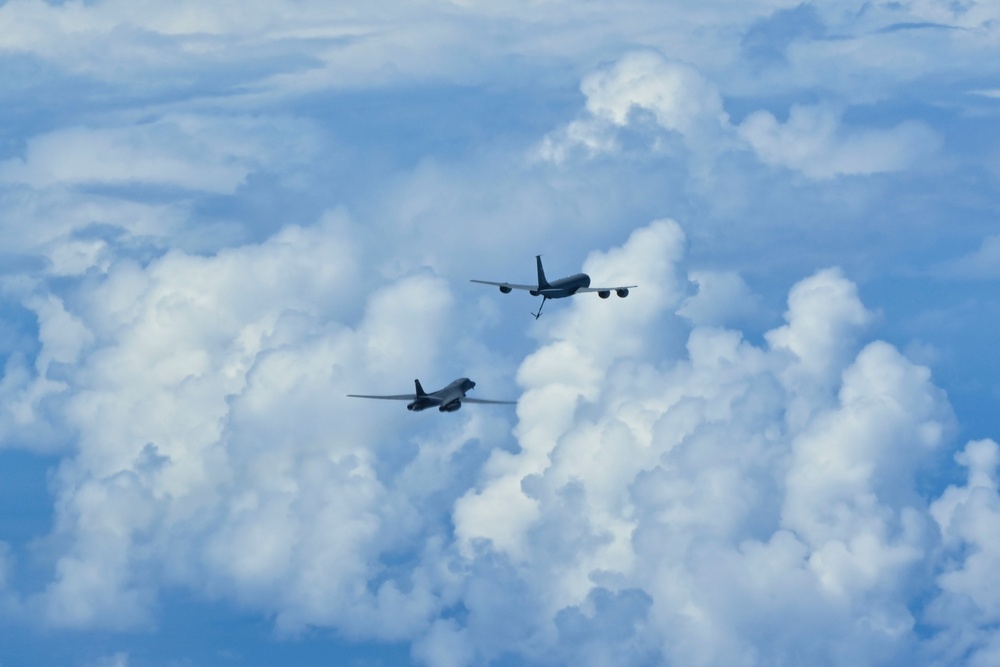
(542, 282)
(420, 390)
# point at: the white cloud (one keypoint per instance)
(681, 100)
(314, 46)
(679, 494)
(970, 15)
(197, 153)
(65, 227)
(968, 606)
(723, 298)
(675, 93)
(850, 485)
(570, 370)
(872, 52)
(96, 584)
(61, 30)
(824, 320)
(969, 521)
(678, 97)
(208, 395)
(734, 478)
(27, 393)
(672, 492)
(173, 351)
(814, 142)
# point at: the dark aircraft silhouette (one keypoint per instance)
(558, 289)
(448, 399)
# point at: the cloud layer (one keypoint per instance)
(693, 503)
(221, 218)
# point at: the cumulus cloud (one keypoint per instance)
(676, 94)
(164, 355)
(679, 99)
(702, 487)
(197, 325)
(31, 393)
(684, 103)
(820, 344)
(215, 448)
(723, 298)
(676, 494)
(968, 606)
(671, 492)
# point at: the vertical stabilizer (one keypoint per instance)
(420, 390)
(542, 282)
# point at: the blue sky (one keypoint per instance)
(219, 218)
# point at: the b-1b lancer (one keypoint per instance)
(558, 289)
(448, 399)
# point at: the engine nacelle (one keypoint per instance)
(622, 292)
(604, 294)
(415, 407)
(505, 289)
(451, 407)
(533, 292)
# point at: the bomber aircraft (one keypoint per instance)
(558, 289)
(448, 399)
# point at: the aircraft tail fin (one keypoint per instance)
(542, 282)
(420, 390)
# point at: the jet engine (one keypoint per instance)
(451, 407)
(604, 294)
(505, 289)
(414, 407)
(622, 292)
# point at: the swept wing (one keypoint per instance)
(396, 397)
(605, 289)
(510, 285)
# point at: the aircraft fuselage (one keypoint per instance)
(558, 289)
(448, 399)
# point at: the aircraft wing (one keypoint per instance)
(397, 397)
(467, 399)
(510, 285)
(604, 289)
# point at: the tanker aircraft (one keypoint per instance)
(558, 289)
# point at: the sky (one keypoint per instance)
(220, 218)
